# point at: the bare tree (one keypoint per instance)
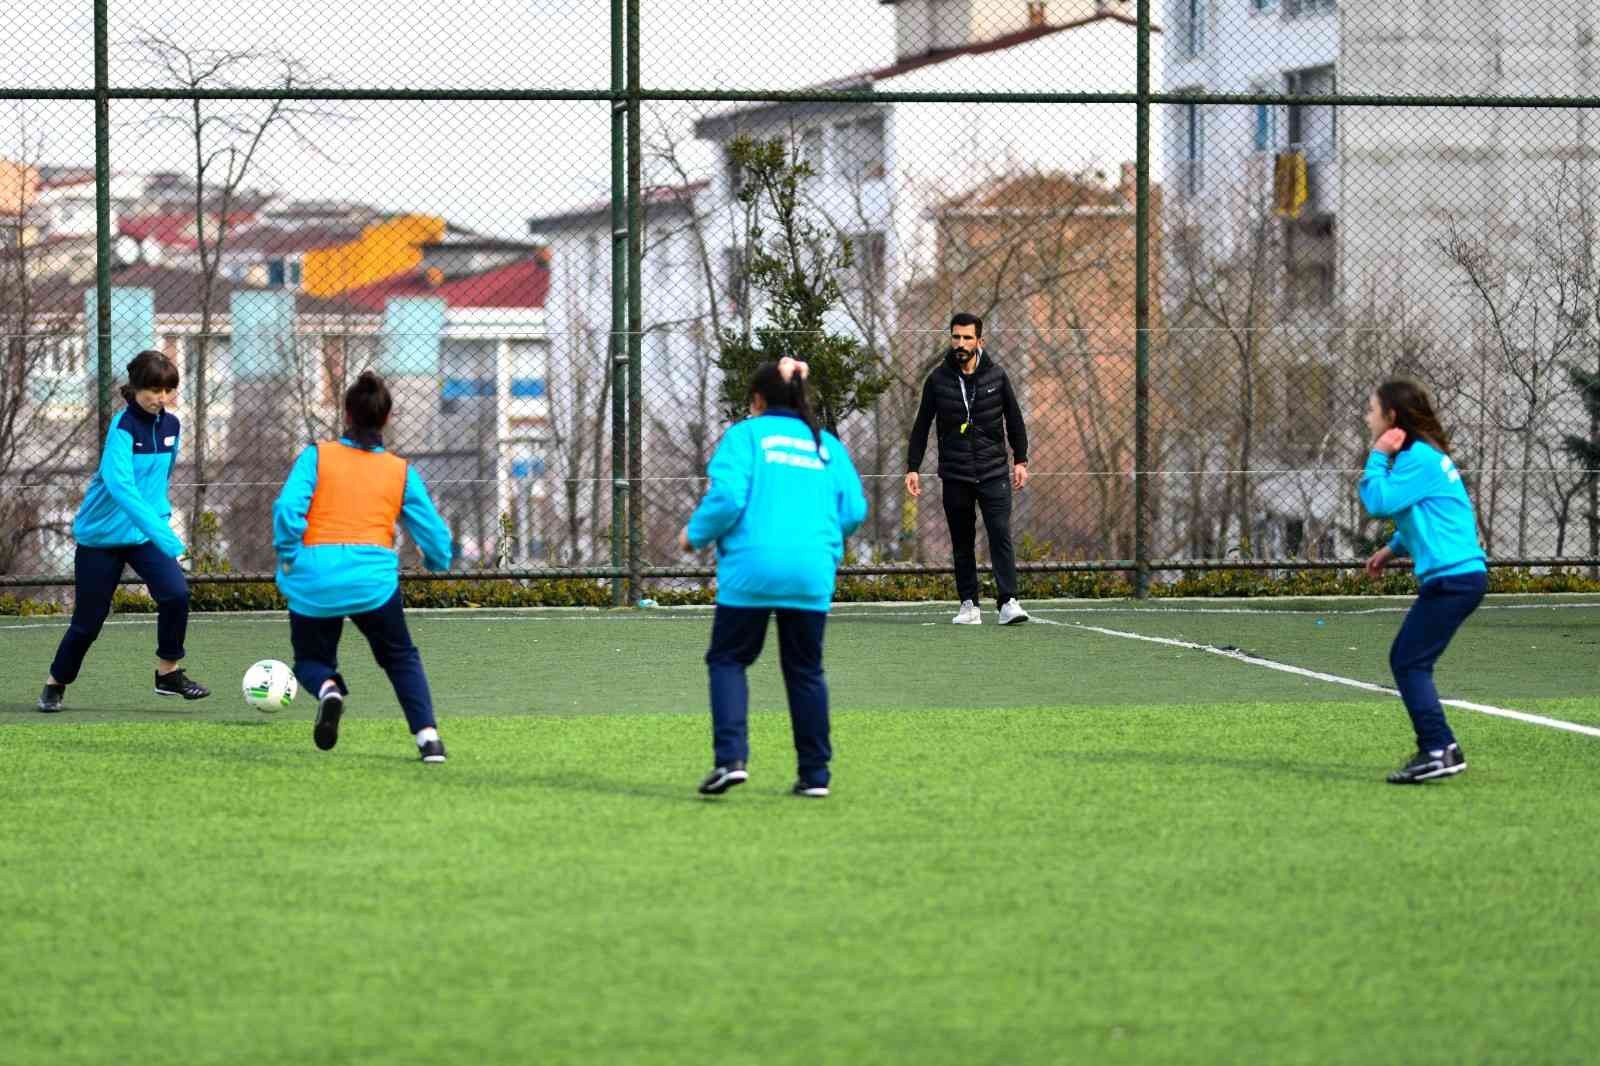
(1536, 296)
(684, 417)
(1229, 297)
(32, 337)
(225, 138)
(1047, 257)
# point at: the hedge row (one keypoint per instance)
(896, 587)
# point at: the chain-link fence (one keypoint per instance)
(559, 231)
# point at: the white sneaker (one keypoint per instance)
(969, 615)
(1011, 612)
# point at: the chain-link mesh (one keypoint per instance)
(277, 227)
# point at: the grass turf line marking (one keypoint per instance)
(1299, 671)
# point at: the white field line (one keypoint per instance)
(1335, 679)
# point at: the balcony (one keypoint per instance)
(1303, 9)
(1190, 29)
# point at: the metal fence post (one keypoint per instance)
(102, 220)
(619, 295)
(635, 314)
(1141, 315)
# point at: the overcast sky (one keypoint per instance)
(486, 166)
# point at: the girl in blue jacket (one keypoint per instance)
(1411, 479)
(783, 498)
(123, 522)
(333, 528)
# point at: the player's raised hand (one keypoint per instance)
(1391, 442)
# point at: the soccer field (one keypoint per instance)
(1046, 844)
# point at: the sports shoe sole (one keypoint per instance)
(1014, 621)
(169, 692)
(812, 792)
(431, 759)
(1431, 775)
(725, 782)
(325, 734)
(966, 621)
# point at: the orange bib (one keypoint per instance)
(358, 496)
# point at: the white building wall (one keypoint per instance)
(936, 152)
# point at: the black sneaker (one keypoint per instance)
(723, 778)
(325, 734)
(432, 750)
(50, 699)
(1429, 765)
(179, 683)
(810, 791)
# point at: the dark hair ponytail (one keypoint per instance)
(768, 384)
(366, 409)
(1413, 412)
(149, 369)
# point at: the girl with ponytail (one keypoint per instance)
(1411, 478)
(783, 498)
(333, 528)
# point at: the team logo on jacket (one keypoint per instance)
(789, 451)
(170, 441)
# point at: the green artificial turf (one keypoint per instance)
(1044, 845)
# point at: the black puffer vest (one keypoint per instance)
(978, 452)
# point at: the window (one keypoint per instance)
(333, 370)
(811, 149)
(1266, 128)
(1313, 128)
(1307, 8)
(860, 148)
(948, 23)
(67, 355)
(1309, 412)
(219, 369)
(296, 273)
(1263, 6)
(871, 251)
(275, 273)
(591, 263)
(1194, 148)
(1191, 27)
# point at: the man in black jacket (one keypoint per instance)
(978, 416)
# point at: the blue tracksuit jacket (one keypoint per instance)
(779, 509)
(126, 502)
(1421, 490)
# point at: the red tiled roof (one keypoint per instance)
(286, 240)
(175, 229)
(522, 284)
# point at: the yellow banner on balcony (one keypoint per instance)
(1290, 184)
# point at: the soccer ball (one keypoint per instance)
(269, 686)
